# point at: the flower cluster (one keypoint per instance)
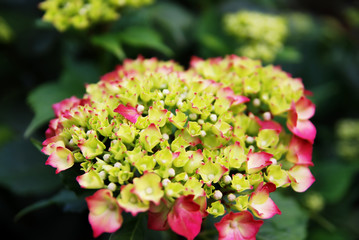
(80, 14)
(260, 35)
(180, 145)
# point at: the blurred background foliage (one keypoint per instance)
(41, 64)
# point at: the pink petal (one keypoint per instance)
(270, 124)
(65, 105)
(61, 159)
(195, 60)
(257, 161)
(238, 226)
(157, 216)
(300, 151)
(229, 94)
(128, 112)
(185, 218)
(305, 108)
(301, 178)
(303, 129)
(111, 76)
(260, 202)
(105, 213)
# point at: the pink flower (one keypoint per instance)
(268, 124)
(257, 161)
(55, 128)
(229, 94)
(185, 217)
(301, 178)
(61, 158)
(128, 112)
(298, 119)
(261, 204)
(238, 226)
(300, 151)
(65, 105)
(105, 213)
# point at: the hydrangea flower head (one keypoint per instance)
(80, 14)
(182, 145)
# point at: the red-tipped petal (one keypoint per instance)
(238, 226)
(128, 112)
(305, 108)
(260, 202)
(304, 129)
(300, 151)
(105, 213)
(301, 178)
(185, 218)
(257, 161)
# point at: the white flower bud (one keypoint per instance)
(165, 136)
(112, 186)
(217, 195)
(166, 91)
(193, 116)
(231, 197)
(200, 121)
(256, 102)
(273, 160)
(118, 165)
(171, 172)
(165, 182)
(106, 157)
(203, 133)
(267, 116)
(227, 179)
(250, 139)
(140, 108)
(213, 117)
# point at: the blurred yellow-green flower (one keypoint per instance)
(259, 35)
(81, 14)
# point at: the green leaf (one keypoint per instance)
(144, 37)
(60, 198)
(130, 230)
(41, 100)
(290, 225)
(23, 169)
(111, 43)
(333, 180)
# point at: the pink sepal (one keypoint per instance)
(128, 112)
(157, 215)
(300, 151)
(65, 105)
(238, 226)
(61, 159)
(301, 178)
(257, 161)
(185, 218)
(105, 213)
(260, 202)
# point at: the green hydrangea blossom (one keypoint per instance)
(152, 133)
(81, 14)
(259, 35)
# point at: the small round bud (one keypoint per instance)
(200, 121)
(213, 117)
(227, 179)
(179, 103)
(171, 172)
(251, 147)
(106, 157)
(193, 116)
(256, 102)
(231, 197)
(273, 160)
(166, 91)
(165, 182)
(165, 136)
(112, 186)
(140, 108)
(217, 195)
(250, 139)
(265, 97)
(185, 177)
(203, 133)
(118, 165)
(267, 116)
(102, 175)
(71, 142)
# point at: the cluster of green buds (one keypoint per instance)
(181, 145)
(81, 14)
(259, 35)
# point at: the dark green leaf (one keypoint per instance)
(290, 225)
(144, 37)
(62, 197)
(111, 43)
(23, 169)
(130, 230)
